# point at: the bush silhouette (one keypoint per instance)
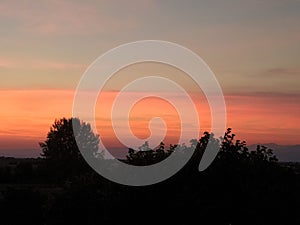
(239, 187)
(231, 152)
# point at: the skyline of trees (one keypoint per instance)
(239, 187)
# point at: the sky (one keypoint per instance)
(253, 48)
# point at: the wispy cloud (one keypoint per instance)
(257, 117)
(283, 72)
(46, 64)
(5, 63)
(68, 17)
(18, 63)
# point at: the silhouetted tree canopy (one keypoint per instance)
(60, 150)
(239, 187)
(231, 152)
(237, 150)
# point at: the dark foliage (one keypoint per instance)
(239, 187)
(60, 150)
(147, 156)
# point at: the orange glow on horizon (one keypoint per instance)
(26, 116)
(140, 117)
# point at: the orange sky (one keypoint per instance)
(251, 46)
(27, 115)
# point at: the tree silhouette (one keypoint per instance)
(60, 150)
(232, 153)
(239, 187)
(236, 151)
(147, 156)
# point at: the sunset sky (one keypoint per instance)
(253, 48)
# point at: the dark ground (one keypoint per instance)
(219, 195)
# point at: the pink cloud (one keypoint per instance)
(71, 17)
(17, 63)
(46, 64)
(5, 63)
(281, 72)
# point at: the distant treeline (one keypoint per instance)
(239, 187)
